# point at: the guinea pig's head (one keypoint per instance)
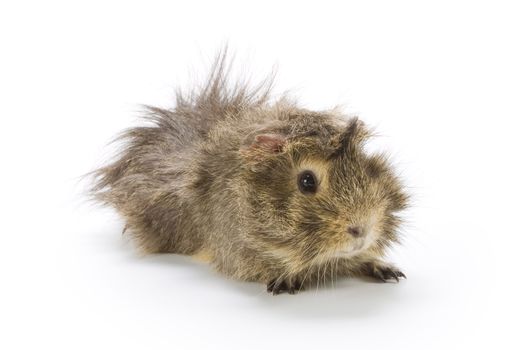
(315, 194)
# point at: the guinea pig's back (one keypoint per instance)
(153, 181)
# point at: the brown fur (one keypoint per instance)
(217, 178)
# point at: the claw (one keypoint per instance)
(391, 274)
(385, 273)
(270, 286)
(277, 286)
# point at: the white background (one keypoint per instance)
(443, 81)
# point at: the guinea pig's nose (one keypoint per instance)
(355, 231)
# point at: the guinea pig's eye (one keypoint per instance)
(307, 182)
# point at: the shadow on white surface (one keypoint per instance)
(342, 298)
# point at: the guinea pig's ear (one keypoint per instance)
(261, 145)
(353, 136)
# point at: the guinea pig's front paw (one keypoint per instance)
(383, 272)
(278, 286)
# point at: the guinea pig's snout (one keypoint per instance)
(356, 231)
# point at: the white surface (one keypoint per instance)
(444, 82)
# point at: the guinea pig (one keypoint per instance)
(264, 191)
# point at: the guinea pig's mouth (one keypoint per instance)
(353, 248)
(356, 245)
(360, 244)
